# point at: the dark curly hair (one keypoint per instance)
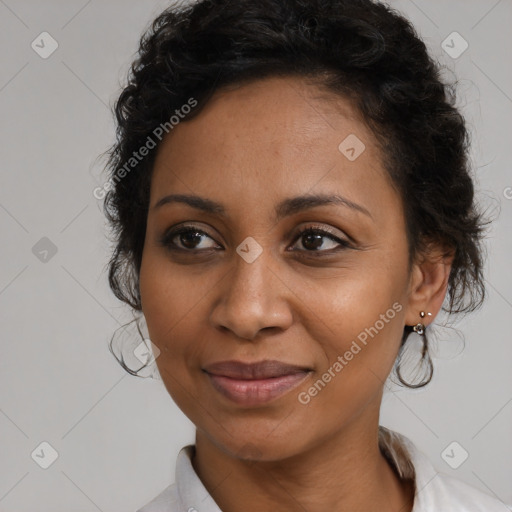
(360, 49)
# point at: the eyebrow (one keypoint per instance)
(285, 208)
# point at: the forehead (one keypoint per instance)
(271, 138)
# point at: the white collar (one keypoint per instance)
(434, 490)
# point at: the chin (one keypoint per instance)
(253, 447)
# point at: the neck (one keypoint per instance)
(345, 472)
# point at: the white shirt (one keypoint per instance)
(435, 491)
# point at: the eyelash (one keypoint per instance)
(166, 240)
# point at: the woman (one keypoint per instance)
(291, 200)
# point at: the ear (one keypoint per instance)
(428, 283)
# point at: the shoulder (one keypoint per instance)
(435, 490)
(460, 496)
(186, 493)
(166, 501)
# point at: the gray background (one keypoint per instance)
(117, 436)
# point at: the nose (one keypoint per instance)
(252, 297)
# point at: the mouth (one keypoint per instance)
(252, 384)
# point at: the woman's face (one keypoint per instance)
(244, 286)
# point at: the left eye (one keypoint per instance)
(313, 238)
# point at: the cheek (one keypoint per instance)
(167, 316)
(174, 307)
(357, 361)
(162, 306)
(167, 293)
(359, 332)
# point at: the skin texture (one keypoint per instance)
(251, 147)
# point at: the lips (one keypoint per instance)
(253, 384)
(260, 370)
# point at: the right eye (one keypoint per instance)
(188, 237)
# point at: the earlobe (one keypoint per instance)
(428, 287)
(420, 326)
